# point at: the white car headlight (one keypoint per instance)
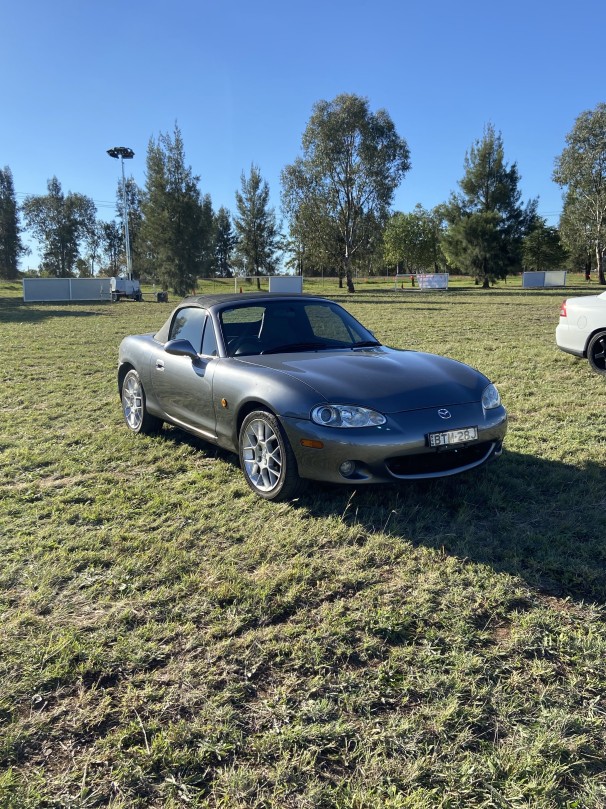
(491, 397)
(331, 415)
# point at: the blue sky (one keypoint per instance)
(240, 78)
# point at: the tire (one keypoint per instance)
(266, 458)
(596, 352)
(134, 407)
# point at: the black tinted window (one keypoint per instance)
(209, 341)
(189, 325)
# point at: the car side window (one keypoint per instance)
(209, 341)
(189, 325)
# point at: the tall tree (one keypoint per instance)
(207, 223)
(412, 240)
(112, 243)
(581, 170)
(256, 227)
(576, 236)
(135, 223)
(542, 248)
(342, 187)
(11, 246)
(487, 222)
(173, 229)
(60, 223)
(224, 244)
(94, 246)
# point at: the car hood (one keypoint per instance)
(385, 379)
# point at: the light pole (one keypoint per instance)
(124, 153)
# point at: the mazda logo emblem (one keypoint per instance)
(443, 413)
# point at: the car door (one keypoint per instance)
(182, 386)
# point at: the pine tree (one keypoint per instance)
(224, 244)
(486, 221)
(542, 247)
(135, 223)
(11, 246)
(258, 236)
(175, 229)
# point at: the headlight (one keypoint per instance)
(491, 398)
(346, 416)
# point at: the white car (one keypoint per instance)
(582, 329)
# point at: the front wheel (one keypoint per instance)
(134, 406)
(266, 458)
(596, 352)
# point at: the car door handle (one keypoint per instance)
(159, 365)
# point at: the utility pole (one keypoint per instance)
(124, 153)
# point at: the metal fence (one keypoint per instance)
(66, 289)
(540, 280)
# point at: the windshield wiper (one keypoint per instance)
(295, 347)
(366, 344)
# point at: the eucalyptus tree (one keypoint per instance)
(411, 241)
(581, 170)
(338, 193)
(60, 223)
(11, 246)
(576, 235)
(174, 231)
(486, 221)
(256, 227)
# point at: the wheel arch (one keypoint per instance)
(250, 407)
(124, 368)
(599, 330)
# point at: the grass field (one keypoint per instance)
(169, 640)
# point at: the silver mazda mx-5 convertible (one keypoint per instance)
(302, 391)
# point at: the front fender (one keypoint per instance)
(239, 387)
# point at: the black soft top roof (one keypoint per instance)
(223, 298)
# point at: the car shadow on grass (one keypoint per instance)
(541, 520)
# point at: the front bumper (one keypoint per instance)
(398, 450)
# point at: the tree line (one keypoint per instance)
(336, 198)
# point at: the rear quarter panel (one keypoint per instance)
(137, 352)
(585, 316)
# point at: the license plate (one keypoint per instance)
(450, 437)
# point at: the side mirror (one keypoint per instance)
(181, 348)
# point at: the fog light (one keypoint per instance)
(347, 468)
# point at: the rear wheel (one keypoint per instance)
(267, 459)
(134, 406)
(596, 352)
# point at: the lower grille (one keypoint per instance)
(441, 461)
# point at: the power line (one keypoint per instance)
(100, 203)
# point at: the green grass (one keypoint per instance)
(168, 640)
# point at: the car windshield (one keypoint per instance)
(275, 327)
